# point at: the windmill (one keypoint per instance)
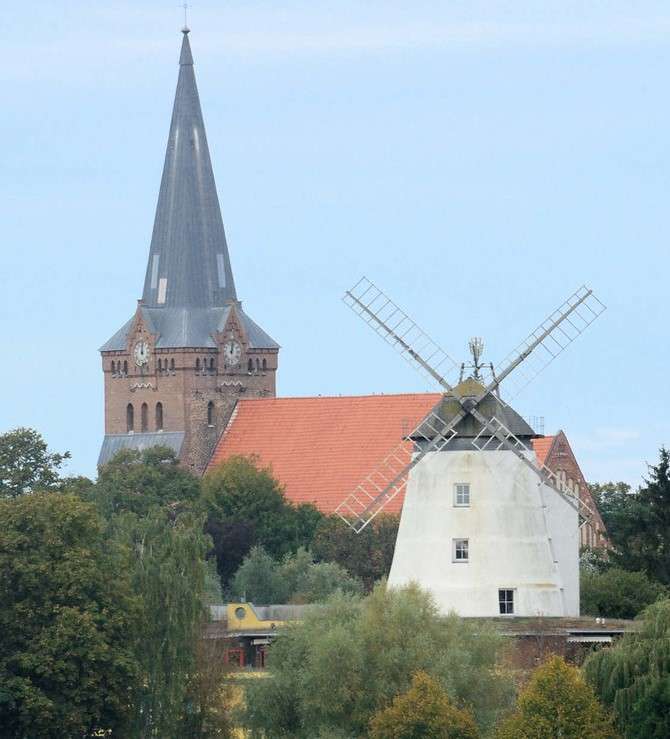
(484, 526)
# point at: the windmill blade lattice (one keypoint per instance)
(401, 332)
(548, 340)
(502, 438)
(389, 478)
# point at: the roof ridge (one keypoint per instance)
(339, 397)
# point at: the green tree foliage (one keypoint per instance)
(557, 702)
(425, 710)
(349, 658)
(138, 481)
(633, 676)
(613, 500)
(26, 464)
(209, 695)
(67, 615)
(617, 593)
(367, 555)
(296, 579)
(239, 493)
(640, 522)
(168, 576)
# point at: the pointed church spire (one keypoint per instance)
(189, 265)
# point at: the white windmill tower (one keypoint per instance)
(483, 527)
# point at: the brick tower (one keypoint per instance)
(175, 370)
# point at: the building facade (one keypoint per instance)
(176, 368)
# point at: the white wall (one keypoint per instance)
(513, 538)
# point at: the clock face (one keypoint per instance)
(141, 353)
(232, 352)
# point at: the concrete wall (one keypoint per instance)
(514, 540)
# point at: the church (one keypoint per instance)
(192, 371)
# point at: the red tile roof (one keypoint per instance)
(542, 447)
(321, 448)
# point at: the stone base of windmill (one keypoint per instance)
(480, 533)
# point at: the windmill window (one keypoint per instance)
(506, 601)
(159, 416)
(130, 418)
(210, 413)
(144, 416)
(461, 551)
(462, 494)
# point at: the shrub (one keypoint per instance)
(616, 593)
(557, 702)
(423, 711)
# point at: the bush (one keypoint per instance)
(297, 579)
(557, 703)
(616, 593)
(349, 658)
(423, 711)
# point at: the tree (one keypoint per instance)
(425, 710)
(617, 593)
(209, 696)
(26, 464)
(67, 664)
(296, 579)
(613, 501)
(640, 522)
(367, 555)
(349, 658)
(258, 579)
(632, 677)
(137, 481)
(240, 493)
(168, 576)
(557, 702)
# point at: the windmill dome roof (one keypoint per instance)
(467, 428)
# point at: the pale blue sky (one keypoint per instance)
(478, 160)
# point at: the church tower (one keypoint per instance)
(175, 370)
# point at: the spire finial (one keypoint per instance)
(185, 29)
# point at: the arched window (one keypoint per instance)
(172, 364)
(258, 365)
(113, 367)
(210, 413)
(159, 416)
(125, 367)
(211, 364)
(144, 412)
(250, 365)
(160, 365)
(130, 417)
(265, 364)
(197, 364)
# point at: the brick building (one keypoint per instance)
(174, 371)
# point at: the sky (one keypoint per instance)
(478, 161)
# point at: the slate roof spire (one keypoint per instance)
(189, 265)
